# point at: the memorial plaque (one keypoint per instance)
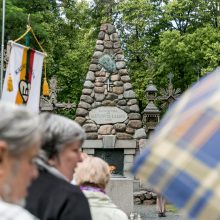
(108, 115)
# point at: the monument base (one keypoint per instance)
(120, 190)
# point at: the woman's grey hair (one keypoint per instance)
(19, 128)
(57, 132)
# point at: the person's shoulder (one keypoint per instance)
(14, 212)
(74, 190)
(120, 214)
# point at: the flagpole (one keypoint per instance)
(2, 47)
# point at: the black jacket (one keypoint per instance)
(52, 198)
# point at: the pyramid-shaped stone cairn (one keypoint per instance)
(119, 114)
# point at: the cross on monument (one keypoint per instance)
(169, 94)
(109, 84)
(170, 76)
(50, 103)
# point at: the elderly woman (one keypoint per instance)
(51, 196)
(20, 139)
(92, 175)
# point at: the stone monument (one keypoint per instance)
(110, 115)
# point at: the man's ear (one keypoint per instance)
(3, 155)
(3, 149)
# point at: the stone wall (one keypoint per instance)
(121, 95)
(108, 109)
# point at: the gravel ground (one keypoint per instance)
(149, 213)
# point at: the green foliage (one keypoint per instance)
(178, 36)
(158, 37)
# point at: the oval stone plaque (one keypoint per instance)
(107, 115)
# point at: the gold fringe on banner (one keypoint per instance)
(46, 90)
(10, 83)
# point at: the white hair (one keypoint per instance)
(92, 171)
(57, 132)
(19, 128)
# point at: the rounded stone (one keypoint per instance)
(111, 29)
(132, 102)
(114, 37)
(116, 45)
(108, 103)
(135, 124)
(88, 84)
(90, 127)
(100, 79)
(115, 77)
(118, 83)
(99, 97)
(113, 131)
(124, 136)
(111, 96)
(120, 96)
(87, 91)
(81, 112)
(80, 120)
(134, 116)
(99, 42)
(91, 136)
(120, 127)
(123, 72)
(94, 67)
(107, 37)
(130, 130)
(88, 121)
(125, 108)
(108, 51)
(120, 57)
(134, 108)
(95, 60)
(93, 94)
(99, 84)
(90, 76)
(87, 99)
(100, 74)
(118, 90)
(108, 44)
(127, 86)
(129, 94)
(104, 27)
(140, 134)
(120, 65)
(125, 78)
(96, 104)
(101, 35)
(118, 51)
(137, 201)
(99, 89)
(99, 47)
(122, 102)
(84, 105)
(97, 54)
(105, 129)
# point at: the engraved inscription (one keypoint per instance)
(108, 115)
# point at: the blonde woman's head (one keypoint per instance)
(93, 171)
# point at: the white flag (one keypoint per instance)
(25, 70)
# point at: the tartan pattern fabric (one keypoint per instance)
(182, 160)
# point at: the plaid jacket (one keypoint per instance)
(14, 212)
